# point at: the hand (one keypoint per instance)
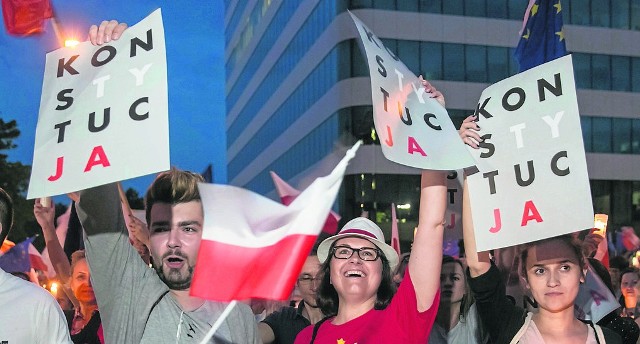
(44, 215)
(75, 196)
(138, 230)
(107, 31)
(432, 91)
(469, 132)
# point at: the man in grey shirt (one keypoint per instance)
(143, 305)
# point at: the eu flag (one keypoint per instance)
(542, 39)
(17, 258)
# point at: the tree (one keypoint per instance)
(14, 179)
(135, 201)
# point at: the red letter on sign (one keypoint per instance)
(530, 213)
(58, 174)
(415, 147)
(498, 220)
(389, 140)
(97, 158)
(597, 298)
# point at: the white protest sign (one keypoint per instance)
(414, 129)
(103, 113)
(532, 181)
(594, 299)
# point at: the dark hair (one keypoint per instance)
(574, 245)
(172, 187)
(602, 272)
(402, 265)
(618, 262)
(327, 296)
(6, 214)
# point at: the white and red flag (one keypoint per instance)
(288, 193)
(253, 247)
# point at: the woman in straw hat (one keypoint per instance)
(357, 289)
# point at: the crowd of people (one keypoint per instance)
(353, 287)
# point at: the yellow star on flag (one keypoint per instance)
(558, 6)
(340, 341)
(526, 35)
(534, 9)
(560, 34)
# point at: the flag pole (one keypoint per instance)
(218, 322)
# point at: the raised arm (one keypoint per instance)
(44, 216)
(62, 267)
(478, 262)
(425, 261)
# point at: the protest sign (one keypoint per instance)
(453, 214)
(103, 112)
(532, 181)
(414, 129)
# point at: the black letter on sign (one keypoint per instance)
(488, 145)
(532, 174)
(481, 111)
(386, 96)
(61, 127)
(112, 54)
(132, 110)
(68, 100)
(370, 36)
(135, 42)
(105, 121)
(408, 121)
(554, 164)
(545, 85)
(492, 182)
(427, 119)
(62, 66)
(521, 96)
(381, 69)
(452, 193)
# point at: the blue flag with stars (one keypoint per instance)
(17, 258)
(542, 39)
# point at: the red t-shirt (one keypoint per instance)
(400, 322)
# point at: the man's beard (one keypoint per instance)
(174, 278)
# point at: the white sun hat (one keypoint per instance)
(362, 228)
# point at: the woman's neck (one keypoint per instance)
(348, 311)
(87, 309)
(559, 324)
(448, 316)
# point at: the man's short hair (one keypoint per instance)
(6, 214)
(172, 187)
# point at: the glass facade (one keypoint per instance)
(435, 61)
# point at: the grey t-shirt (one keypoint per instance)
(135, 305)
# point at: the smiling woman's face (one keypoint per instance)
(353, 278)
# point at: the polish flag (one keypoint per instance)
(36, 259)
(253, 247)
(287, 194)
(395, 237)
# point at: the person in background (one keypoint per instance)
(28, 313)
(625, 327)
(84, 321)
(398, 272)
(457, 320)
(282, 326)
(629, 278)
(616, 265)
